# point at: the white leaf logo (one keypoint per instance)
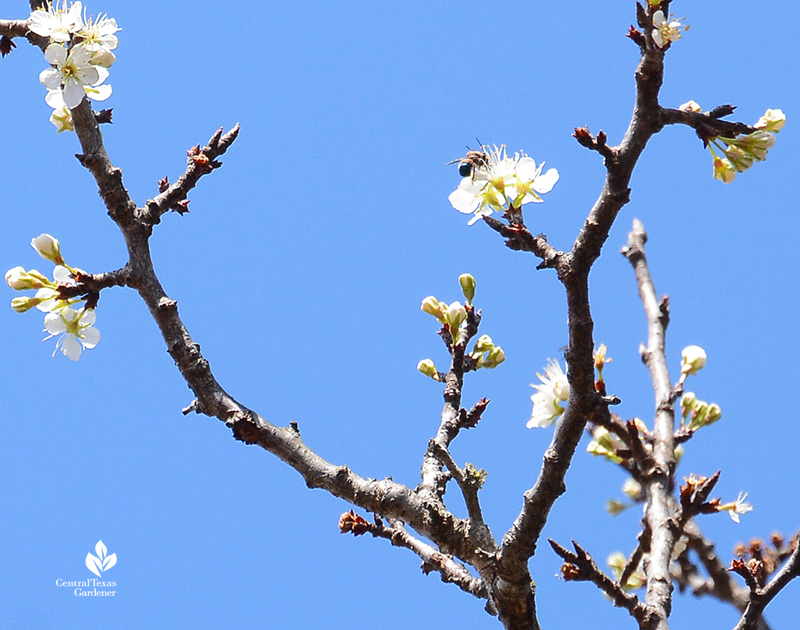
(101, 562)
(93, 564)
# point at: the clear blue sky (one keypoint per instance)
(300, 271)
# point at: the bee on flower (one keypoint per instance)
(494, 182)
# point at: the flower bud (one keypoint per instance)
(693, 359)
(23, 304)
(48, 248)
(740, 160)
(773, 120)
(496, 357)
(614, 507)
(467, 286)
(484, 344)
(456, 314)
(724, 171)
(758, 143)
(714, 413)
(688, 401)
(632, 489)
(427, 367)
(19, 279)
(431, 306)
(690, 106)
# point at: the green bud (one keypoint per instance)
(484, 344)
(427, 367)
(23, 304)
(495, 358)
(714, 413)
(467, 286)
(432, 306)
(615, 507)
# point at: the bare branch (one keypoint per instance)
(519, 238)
(584, 568)
(658, 482)
(760, 597)
(201, 161)
(432, 560)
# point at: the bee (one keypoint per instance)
(471, 161)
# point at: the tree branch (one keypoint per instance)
(761, 597)
(659, 479)
(450, 571)
(582, 567)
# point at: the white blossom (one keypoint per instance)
(501, 183)
(74, 75)
(666, 29)
(98, 33)
(75, 328)
(554, 388)
(56, 21)
(737, 507)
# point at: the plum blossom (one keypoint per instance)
(56, 21)
(737, 507)
(554, 388)
(75, 328)
(501, 183)
(666, 29)
(97, 34)
(74, 75)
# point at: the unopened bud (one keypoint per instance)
(724, 171)
(427, 367)
(456, 314)
(496, 357)
(431, 306)
(23, 304)
(467, 286)
(693, 359)
(632, 489)
(773, 120)
(48, 248)
(688, 401)
(615, 507)
(484, 344)
(20, 280)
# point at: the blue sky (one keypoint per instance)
(300, 270)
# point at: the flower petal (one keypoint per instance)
(71, 348)
(73, 94)
(90, 337)
(544, 183)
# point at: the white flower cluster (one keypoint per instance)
(499, 183)
(80, 55)
(74, 326)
